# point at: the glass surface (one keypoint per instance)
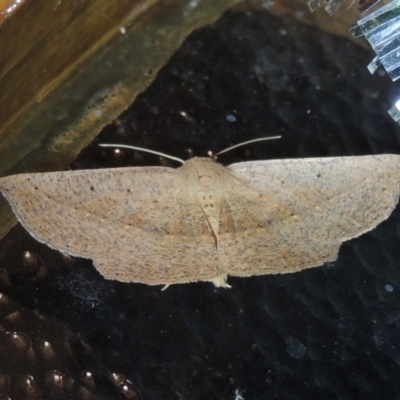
(381, 28)
(324, 333)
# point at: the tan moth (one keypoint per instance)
(203, 221)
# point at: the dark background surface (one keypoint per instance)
(328, 332)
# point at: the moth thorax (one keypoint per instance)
(210, 203)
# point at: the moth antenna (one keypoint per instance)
(243, 144)
(157, 153)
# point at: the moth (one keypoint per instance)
(203, 221)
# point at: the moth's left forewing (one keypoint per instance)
(307, 207)
(341, 186)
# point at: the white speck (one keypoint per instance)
(381, 72)
(295, 348)
(231, 118)
(283, 32)
(268, 4)
(238, 395)
(193, 3)
(122, 30)
(389, 288)
(98, 113)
